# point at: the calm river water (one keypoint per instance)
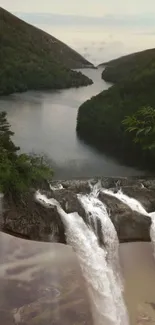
(44, 122)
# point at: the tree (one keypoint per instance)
(18, 172)
(142, 125)
(5, 136)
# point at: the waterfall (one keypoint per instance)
(152, 231)
(135, 205)
(99, 264)
(96, 210)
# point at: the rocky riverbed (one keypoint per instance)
(29, 219)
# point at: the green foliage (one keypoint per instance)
(142, 124)
(33, 59)
(18, 172)
(100, 119)
(123, 68)
(5, 137)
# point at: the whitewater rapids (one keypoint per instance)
(100, 265)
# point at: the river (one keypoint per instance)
(44, 122)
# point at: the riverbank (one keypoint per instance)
(100, 119)
(44, 122)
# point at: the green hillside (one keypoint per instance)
(119, 69)
(33, 59)
(100, 119)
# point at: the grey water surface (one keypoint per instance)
(44, 122)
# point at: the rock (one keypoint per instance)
(145, 196)
(28, 219)
(130, 225)
(69, 202)
(77, 186)
(31, 220)
(149, 183)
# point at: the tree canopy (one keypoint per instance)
(100, 119)
(142, 125)
(18, 172)
(33, 59)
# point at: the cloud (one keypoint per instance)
(82, 7)
(131, 21)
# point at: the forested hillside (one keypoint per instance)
(120, 69)
(33, 59)
(100, 120)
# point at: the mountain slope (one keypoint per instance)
(100, 119)
(119, 69)
(32, 59)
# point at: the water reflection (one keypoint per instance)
(45, 122)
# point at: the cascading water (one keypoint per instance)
(135, 205)
(96, 210)
(152, 231)
(99, 264)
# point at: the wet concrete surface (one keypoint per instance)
(42, 284)
(138, 266)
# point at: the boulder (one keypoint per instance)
(145, 196)
(130, 225)
(28, 219)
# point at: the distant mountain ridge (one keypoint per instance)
(33, 59)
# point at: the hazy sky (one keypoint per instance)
(81, 7)
(112, 27)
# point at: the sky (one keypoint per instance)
(100, 30)
(82, 7)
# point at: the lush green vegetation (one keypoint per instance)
(100, 119)
(32, 59)
(18, 172)
(122, 68)
(142, 124)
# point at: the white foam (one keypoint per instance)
(134, 204)
(97, 210)
(152, 231)
(56, 187)
(104, 289)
